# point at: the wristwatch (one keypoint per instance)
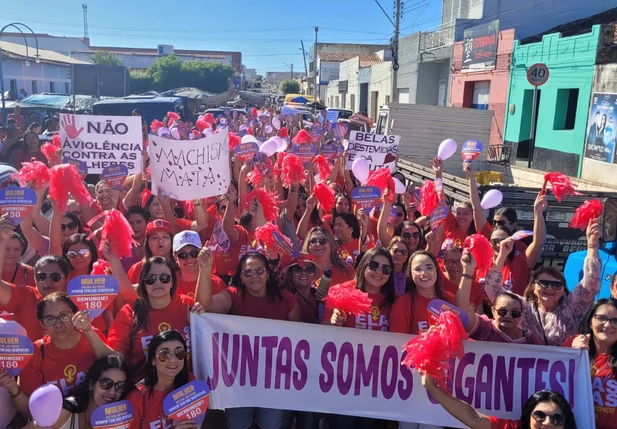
(467, 276)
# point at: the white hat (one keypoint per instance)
(186, 238)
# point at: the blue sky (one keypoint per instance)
(267, 33)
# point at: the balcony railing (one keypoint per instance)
(437, 37)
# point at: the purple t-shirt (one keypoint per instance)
(485, 330)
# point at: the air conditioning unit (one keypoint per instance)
(165, 49)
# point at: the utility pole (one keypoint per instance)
(292, 71)
(395, 66)
(84, 6)
(304, 57)
(315, 82)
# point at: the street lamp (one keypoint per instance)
(17, 26)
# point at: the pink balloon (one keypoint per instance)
(491, 199)
(45, 405)
(447, 148)
(360, 169)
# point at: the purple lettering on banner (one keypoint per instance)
(467, 383)
(347, 353)
(504, 383)
(269, 343)
(367, 375)
(554, 384)
(229, 375)
(571, 371)
(250, 360)
(541, 368)
(484, 383)
(525, 364)
(389, 365)
(213, 379)
(328, 356)
(405, 386)
(301, 354)
(283, 364)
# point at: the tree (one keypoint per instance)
(259, 78)
(289, 87)
(141, 82)
(105, 58)
(170, 72)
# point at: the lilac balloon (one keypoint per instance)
(45, 405)
(399, 187)
(491, 199)
(163, 132)
(268, 129)
(360, 169)
(281, 144)
(276, 123)
(268, 147)
(7, 410)
(175, 133)
(249, 139)
(447, 148)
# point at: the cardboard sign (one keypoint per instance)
(379, 150)
(316, 132)
(17, 203)
(329, 151)
(392, 216)
(117, 415)
(115, 175)
(520, 235)
(93, 293)
(246, 150)
(417, 199)
(437, 306)
(220, 236)
(471, 150)
(340, 131)
(366, 197)
(15, 352)
(189, 402)
(438, 216)
(305, 152)
(82, 167)
(332, 116)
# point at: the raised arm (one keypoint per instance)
(219, 303)
(382, 223)
(302, 229)
(34, 237)
(127, 290)
(83, 322)
(132, 195)
(201, 216)
(437, 165)
(292, 202)
(493, 284)
(55, 230)
(464, 289)
(534, 250)
(228, 220)
(479, 217)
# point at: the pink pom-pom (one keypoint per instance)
(268, 201)
(429, 200)
(481, 250)
(303, 137)
(292, 171)
(561, 185)
(65, 180)
(155, 125)
(209, 118)
(382, 178)
(116, 231)
(34, 171)
(585, 213)
(430, 353)
(56, 140)
(267, 234)
(51, 152)
(255, 178)
(100, 267)
(346, 297)
(278, 165)
(172, 117)
(325, 196)
(234, 140)
(202, 125)
(323, 167)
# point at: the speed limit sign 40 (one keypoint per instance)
(537, 74)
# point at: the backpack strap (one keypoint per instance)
(41, 345)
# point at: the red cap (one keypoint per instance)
(158, 225)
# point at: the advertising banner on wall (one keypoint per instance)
(600, 137)
(480, 47)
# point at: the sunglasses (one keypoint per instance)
(297, 270)
(70, 226)
(84, 253)
(152, 278)
(54, 277)
(320, 241)
(400, 252)
(108, 384)
(249, 272)
(555, 419)
(193, 254)
(165, 354)
(500, 222)
(452, 262)
(64, 317)
(603, 319)
(410, 235)
(374, 266)
(503, 312)
(553, 284)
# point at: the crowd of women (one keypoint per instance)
(139, 348)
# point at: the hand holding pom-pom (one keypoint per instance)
(345, 297)
(338, 318)
(589, 210)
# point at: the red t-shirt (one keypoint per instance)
(23, 304)
(64, 368)
(226, 263)
(516, 271)
(377, 320)
(459, 236)
(262, 307)
(349, 251)
(187, 288)
(135, 272)
(405, 320)
(183, 224)
(174, 316)
(308, 308)
(476, 297)
(604, 388)
(23, 275)
(503, 424)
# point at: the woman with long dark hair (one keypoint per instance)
(400, 259)
(81, 254)
(347, 232)
(30, 147)
(159, 236)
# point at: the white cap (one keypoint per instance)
(186, 238)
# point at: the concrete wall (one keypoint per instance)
(141, 61)
(352, 99)
(62, 45)
(409, 53)
(381, 83)
(43, 74)
(346, 47)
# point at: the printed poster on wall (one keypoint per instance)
(601, 123)
(480, 47)
(102, 141)
(190, 169)
(379, 151)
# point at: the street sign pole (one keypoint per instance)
(537, 75)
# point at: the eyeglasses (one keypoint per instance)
(70, 226)
(601, 319)
(54, 277)
(553, 284)
(165, 354)
(452, 262)
(108, 384)
(249, 272)
(503, 312)
(193, 254)
(555, 419)
(297, 270)
(84, 253)
(152, 278)
(400, 252)
(500, 222)
(321, 241)
(374, 266)
(410, 235)
(64, 317)
(496, 241)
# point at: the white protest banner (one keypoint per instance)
(379, 151)
(102, 141)
(190, 169)
(251, 362)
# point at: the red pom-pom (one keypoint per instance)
(254, 112)
(155, 125)
(481, 250)
(172, 117)
(585, 213)
(116, 231)
(268, 200)
(323, 167)
(561, 185)
(209, 118)
(100, 267)
(278, 165)
(65, 180)
(382, 178)
(234, 140)
(271, 237)
(255, 178)
(202, 125)
(51, 152)
(346, 297)
(56, 140)
(325, 196)
(34, 171)
(303, 137)
(283, 133)
(429, 200)
(292, 170)
(430, 353)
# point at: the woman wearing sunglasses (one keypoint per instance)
(400, 257)
(104, 384)
(452, 274)
(166, 370)
(545, 409)
(550, 311)
(158, 307)
(298, 277)
(158, 243)
(81, 254)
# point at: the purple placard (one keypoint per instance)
(246, 150)
(438, 216)
(316, 132)
(306, 152)
(117, 415)
(93, 293)
(281, 241)
(471, 150)
(189, 402)
(329, 151)
(17, 203)
(437, 306)
(115, 175)
(15, 353)
(519, 235)
(416, 196)
(366, 197)
(82, 167)
(218, 232)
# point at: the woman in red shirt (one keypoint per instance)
(545, 409)
(298, 279)
(400, 257)
(14, 271)
(166, 370)
(158, 243)
(81, 254)
(347, 232)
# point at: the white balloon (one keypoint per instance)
(268, 129)
(268, 147)
(360, 169)
(399, 187)
(276, 123)
(200, 117)
(175, 133)
(249, 138)
(163, 131)
(282, 147)
(447, 148)
(491, 199)
(345, 144)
